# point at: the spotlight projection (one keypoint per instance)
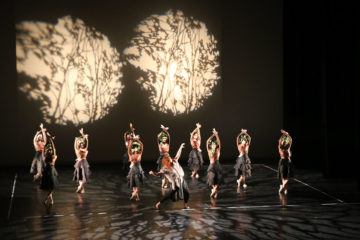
(180, 61)
(69, 68)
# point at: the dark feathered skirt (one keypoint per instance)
(126, 161)
(136, 176)
(285, 169)
(37, 164)
(82, 170)
(214, 174)
(195, 161)
(49, 178)
(159, 162)
(179, 190)
(243, 166)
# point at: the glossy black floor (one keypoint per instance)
(314, 208)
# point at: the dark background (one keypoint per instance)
(284, 64)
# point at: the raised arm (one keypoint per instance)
(34, 141)
(178, 154)
(75, 144)
(217, 139)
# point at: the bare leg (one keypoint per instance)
(284, 184)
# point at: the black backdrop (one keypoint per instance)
(321, 84)
(249, 94)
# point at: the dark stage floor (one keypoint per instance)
(314, 208)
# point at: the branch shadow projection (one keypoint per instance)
(179, 58)
(71, 69)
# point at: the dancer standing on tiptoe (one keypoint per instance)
(82, 168)
(214, 171)
(285, 170)
(243, 163)
(195, 161)
(163, 140)
(49, 173)
(136, 173)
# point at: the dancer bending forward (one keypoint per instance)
(173, 171)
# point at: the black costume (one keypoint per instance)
(285, 169)
(214, 173)
(82, 170)
(243, 166)
(195, 161)
(37, 164)
(126, 161)
(159, 161)
(136, 175)
(49, 175)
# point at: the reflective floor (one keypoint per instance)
(314, 208)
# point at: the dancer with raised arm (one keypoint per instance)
(49, 174)
(243, 163)
(173, 171)
(214, 171)
(136, 173)
(82, 168)
(128, 137)
(37, 164)
(163, 140)
(285, 170)
(195, 161)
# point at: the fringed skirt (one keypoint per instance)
(136, 176)
(214, 174)
(126, 161)
(195, 161)
(82, 170)
(159, 162)
(243, 166)
(285, 169)
(37, 164)
(49, 178)
(180, 187)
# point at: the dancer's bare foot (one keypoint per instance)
(157, 206)
(186, 206)
(197, 175)
(244, 185)
(212, 192)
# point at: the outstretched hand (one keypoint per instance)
(243, 130)
(198, 125)
(214, 131)
(182, 145)
(284, 132)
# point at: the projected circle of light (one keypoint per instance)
(179, 59)
(70, 68)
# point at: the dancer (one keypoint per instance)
(285, 170)
(173, 171)
(163, 139)
(243, 163)
(37, 164)
(214, 171)
(136, 173)
(49, 173)
(82, 168)
(195, 161)
(128, 136)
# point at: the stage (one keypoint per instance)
(314, 208)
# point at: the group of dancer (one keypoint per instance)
(43, 164)
(168, 168)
